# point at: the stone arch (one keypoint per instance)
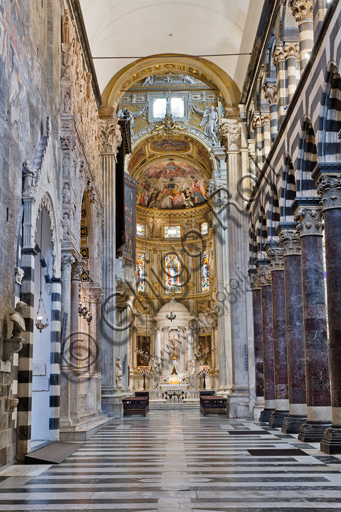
(288, 190)
(329, 145)
(203, 69)
(47, 203)
(307, 160)
(262, 233)
(274, 214)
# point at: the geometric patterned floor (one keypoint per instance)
(179, 460)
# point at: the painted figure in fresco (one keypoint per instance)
(188, 199)
(210, 120)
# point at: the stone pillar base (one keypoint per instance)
(312, 431)
(277, 418)
(257, 411)
(331, 441)
(265, 415)
(292, 424)
(112, 404)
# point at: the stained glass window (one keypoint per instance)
(140, 229)
(204, 228)
(141, 285)
(205, 272)
(172, 273)
(172, 232)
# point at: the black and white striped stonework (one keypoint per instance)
(257, 126)
(26, 354)
(282, 83)
(274, 216)
(56, 286)
(261, 234)
(291, 58)
(182, 461)
(319, 12)
(266, 136)
(306, 41)
(273, 121)
(309, 131)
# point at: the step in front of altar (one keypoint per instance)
(163, 405)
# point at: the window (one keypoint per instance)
(204, 228)
(173, 272)
(177, 107)
(139, 229)
(172, 232)
(159, 108)
(205, 272)
(141, 285)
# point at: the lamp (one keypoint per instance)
(40, 325)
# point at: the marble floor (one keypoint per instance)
(180, 460)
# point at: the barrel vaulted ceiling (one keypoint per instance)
(140, 28)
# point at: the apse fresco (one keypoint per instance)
(170, 145)
(171, 184)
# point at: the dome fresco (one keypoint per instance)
(171, 184)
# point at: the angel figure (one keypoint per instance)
(128, 114)
(210, 120)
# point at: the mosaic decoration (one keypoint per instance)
(140, 231)
(172, 232)
(172, 273)
(171, 184)
(204, 228)
(143, 350)
(140, 270)
(205, 272)
(204, 348)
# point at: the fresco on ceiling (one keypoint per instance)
(136, 158)
(204, 158)
(170, 145)
(171, 184)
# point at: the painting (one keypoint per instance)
(204, 348)
(166, 145)
(204, 158)
(128, 251)
(136, 159)
(171, 184)
(143, 350)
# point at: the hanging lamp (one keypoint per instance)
(40, 325)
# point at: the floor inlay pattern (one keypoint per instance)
(177, 460)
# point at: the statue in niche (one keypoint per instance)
(67, 27)
(119, 373)
(66, 225)
(149, 81)
(66, 194)
(66, 164)
(210, 120)
(28, 177)
(67, 102)
(14, 343)
(128, 114)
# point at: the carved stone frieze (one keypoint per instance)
(302, 10)
(290, 240)
(229, 134)
(309, 221)
(270, 93)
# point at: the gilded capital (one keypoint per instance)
(290, 241)
(309, 221)
(302, 10)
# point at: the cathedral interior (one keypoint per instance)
(170, 290)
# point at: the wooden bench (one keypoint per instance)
(136, 405)
(212, 405)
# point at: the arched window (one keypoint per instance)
(173, 273)
(141, 285)
(205, 272)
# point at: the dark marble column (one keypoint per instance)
(268, 348)
(309, 214)
(328, 179)
(275, 253)
(258, 337)
(290, 240)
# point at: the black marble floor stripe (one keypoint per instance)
(278, 452)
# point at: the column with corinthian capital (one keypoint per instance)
(270, 93)
(111, 139)
(309, 214)
(290, 240)
(276, 256)
(328, 178)
(302, 11)
(258, 341)
(282, 82)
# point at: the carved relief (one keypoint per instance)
(276, 256)
(264, 275)
(270, 93)
(291, 243)
(329, 188)
(229, 135)
(302, 10)
(309, 221)
(111, 137)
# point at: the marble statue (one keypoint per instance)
(188, 80)
(128, 114)
(119, 373)
(149, 81)
(66, 194)
(28, 176)
(14, 343)
(210, 120)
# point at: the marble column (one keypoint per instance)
(268, 346)
(270, 93)
(328, 179)
(281, 81)
(292, 56)
(290, 240)
(111, 139)
(258, 337)
(303, 13)
(266, 130)
(319, 11)
(309, 214)
(257, 127)
(276, 255)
